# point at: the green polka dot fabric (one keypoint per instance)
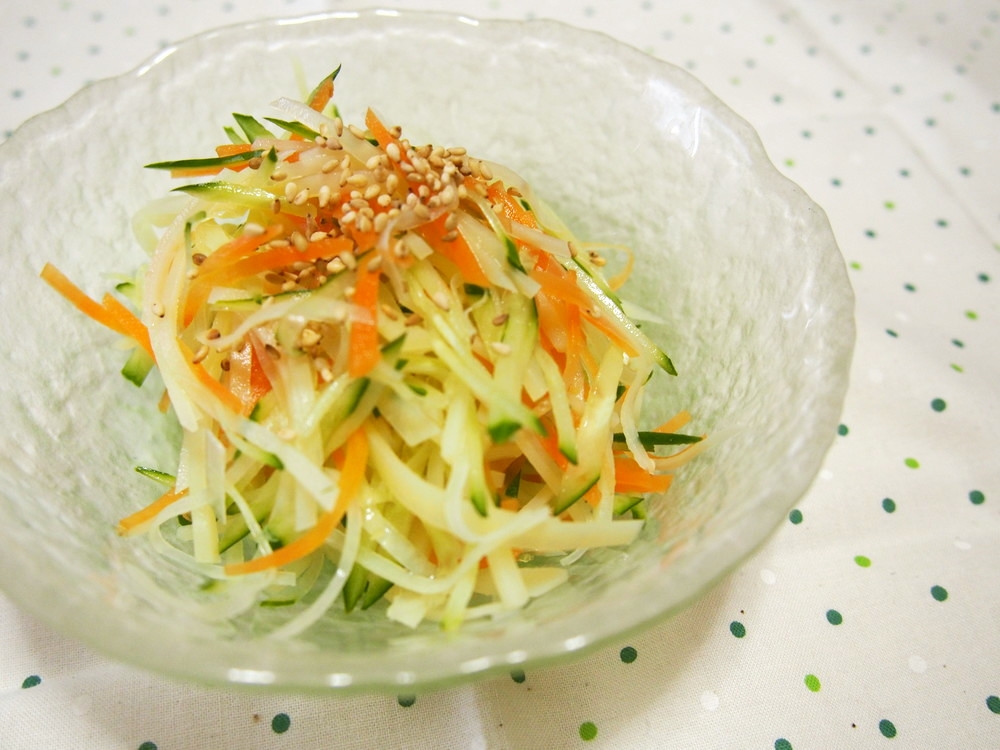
(869, 618)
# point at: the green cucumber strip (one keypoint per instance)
(236, 528)
(294, 127)
(577, 489)
(625, 503)
(624, 324)
(217, 161)
(251, 127)
(137, 366)
(233, 136)
(258, 454)
(354, 587)
(650, 440)
(377, 586)
(156, 475)
(229, 192)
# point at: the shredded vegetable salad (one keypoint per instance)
(398, 374)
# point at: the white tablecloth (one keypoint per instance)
(870, 618)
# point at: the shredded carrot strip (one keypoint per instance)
(231, 149)
(364, 351)
(223, 394)
(113, 315)
(247, 379)
(323, 95)
(618, 280)
(352, 474)
(140, 517)
(238, 248)
(250, 265)
(457, 251)
(630, 477)
(675, 423)
(136, 330)
(510, 206)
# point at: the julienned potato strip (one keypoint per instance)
(388, 360)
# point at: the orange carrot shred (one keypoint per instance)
(364, 350)
(352, 475)
(137, 519)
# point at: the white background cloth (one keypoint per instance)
(871, 618)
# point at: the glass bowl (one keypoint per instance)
(739, 263)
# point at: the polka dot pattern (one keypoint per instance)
(886, 113)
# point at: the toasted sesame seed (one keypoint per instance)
(500, 347)
(500, 319)
(276, 206)
(485, 171)
(274, 278)
(309, 337)
(573, 251)
(451, 222)
(441, 300)
(597, 259)
(300, 242)
(255, 162)
(225, 364)
(326, 375)
(157, 309)
(449, 236)
(212, 334)
(191, 273)
(338, 124)
(198, 258)
(457, 151)
(272, 351)
(334, 143)
(200, 354)
(289, 286)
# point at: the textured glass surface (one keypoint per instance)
(740, 264)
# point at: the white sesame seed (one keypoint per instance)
(348, 260)
(373, 162)
(157, 309)
(301, 197)
(309, 337)
(253, 229)
(441, 300)
(348, 217)
(356, 131)
(392, 151)
(500, 347)
(365, 224)
(300, 242)
(319, 140)
(200, 355)
(291, 189)
(278, 175)
(448, 195)
(380, 222)
(317, 236)
(358, 178)
(324, 196)
(485, 171)
(384, 200)
(329, 166)
(372, 191)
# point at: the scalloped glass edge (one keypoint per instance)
(560, 639)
